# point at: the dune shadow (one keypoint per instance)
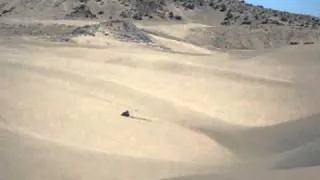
(304, 156)
(260, 142)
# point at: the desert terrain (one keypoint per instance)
(197, 110)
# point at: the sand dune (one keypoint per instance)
(26, 157)
(96, 118)
(196, 111)
(265, 141)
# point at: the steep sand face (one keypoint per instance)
(84, 109)
(194, 111)
(236, 96)
(58, 113)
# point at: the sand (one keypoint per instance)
(195, 111)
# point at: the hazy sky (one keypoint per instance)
(298, 6)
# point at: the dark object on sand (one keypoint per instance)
(294, 43)
(308, 42)
(125, 114)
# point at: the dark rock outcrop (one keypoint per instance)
(82, 11)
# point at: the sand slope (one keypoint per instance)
(195, 111)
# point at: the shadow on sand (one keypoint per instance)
(140, 118)
(289, 139)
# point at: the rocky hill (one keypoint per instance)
(241, 13)
(122, 30)
(233, 24)
(235, 12)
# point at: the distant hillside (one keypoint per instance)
(253, 37)
(239, 12)
(235, 12)
(233, 24)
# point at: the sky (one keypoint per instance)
(297, 6)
